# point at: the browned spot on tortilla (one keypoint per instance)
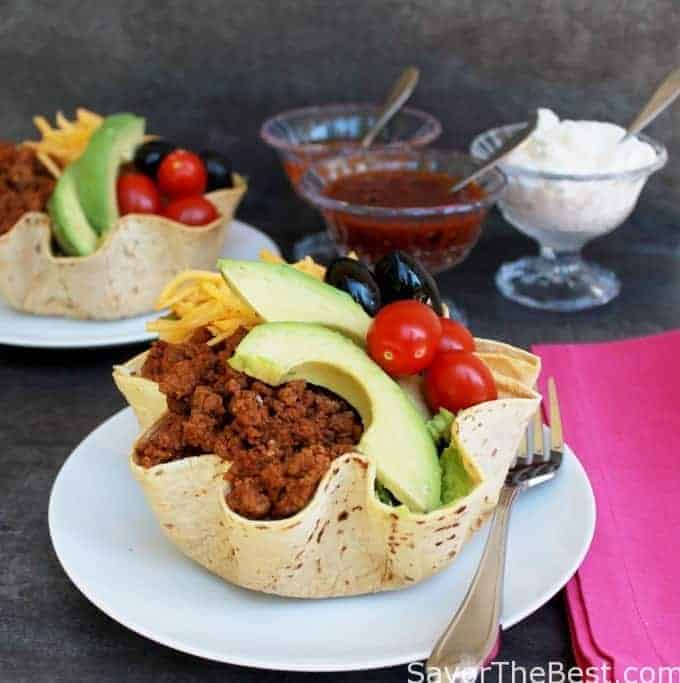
(342, 550)
(158, 473)
(359, 461)
(451, 537)
(169, 526)
(408, 578)
(261, 526)
(343, 516)
(320, 534)
(291, 526)
(356, 508)
(316, 526)
(451, 555)
(420, 521)
(336, 470)
(298, 565)
(393, 516)
(438, 543)
(461, 509)
(318, 565)
(445, 528)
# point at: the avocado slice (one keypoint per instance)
(112, 144)
(70, 226)
(460, 476)
(395, 435)
(279, 292)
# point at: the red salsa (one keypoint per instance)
(401, 189)
(440, 240)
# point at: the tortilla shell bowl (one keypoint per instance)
(345, 541)
(123, 277)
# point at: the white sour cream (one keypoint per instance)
(580, 147)
(564, 214)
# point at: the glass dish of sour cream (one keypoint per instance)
(569, 182)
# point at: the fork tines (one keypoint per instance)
(556, 438)
(539, 458)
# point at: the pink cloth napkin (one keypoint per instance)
(620, 406)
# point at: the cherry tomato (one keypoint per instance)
(137, 194)
(403, 337)
(457, 380)
(182, 173)
(455, 337)
(196, 210)
(148, 156)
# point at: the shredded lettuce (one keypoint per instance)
(440, 427)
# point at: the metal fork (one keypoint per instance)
(471, 637)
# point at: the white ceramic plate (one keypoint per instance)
(46, 332)
(112, 549)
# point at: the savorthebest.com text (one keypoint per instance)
(553, 672)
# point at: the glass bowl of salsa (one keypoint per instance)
(376, 201)
(302, 136)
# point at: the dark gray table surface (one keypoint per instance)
(51, 400)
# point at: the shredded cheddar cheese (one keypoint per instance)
(306, 265)
(63, 144)
(199, 298)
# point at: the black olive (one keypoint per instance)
(219, 170)
(401, 276)
(356, 279)
(149, 155)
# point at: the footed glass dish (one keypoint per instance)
(563, 212)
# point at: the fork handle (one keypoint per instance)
(469, 639)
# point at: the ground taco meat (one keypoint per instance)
(280, 440)
(25, 184)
